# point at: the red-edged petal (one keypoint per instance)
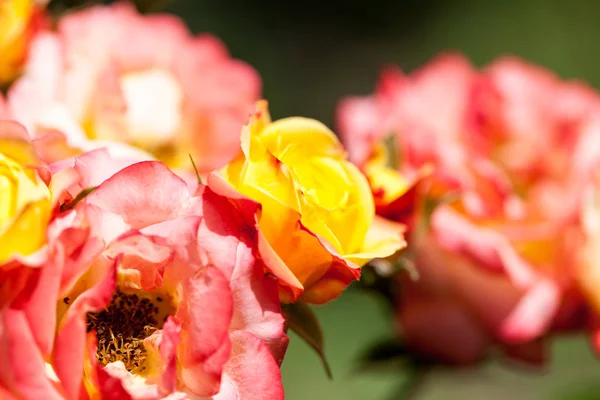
(251, 373)
(143, 194)
(205, 313)
(146, 255)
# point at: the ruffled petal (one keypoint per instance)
(251, 373)
(142, 194)
(205, 314)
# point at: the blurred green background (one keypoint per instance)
(310, 54)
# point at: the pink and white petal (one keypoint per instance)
(228, 86)
(256, 305)
(104, 225)
(36, 90)
(205, 314)
(164, 344)
(88, 37)
(143, 194)
(182, 235)
(201, 51)
(147, 255)
(168, 353)
(251, 373)
(153, 40)
(358, 123)
(534, 314)
(489, 248)
(98, 165)
(119, 151)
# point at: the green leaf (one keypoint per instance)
(388, 353)
(83, 194)
(302, 320)
(196, 170)
(392, 355)
(414, 379)
(381, 286)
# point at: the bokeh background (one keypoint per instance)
(311, 53)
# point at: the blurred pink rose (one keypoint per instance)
(173, 301)
(515, 145)
(111, 74)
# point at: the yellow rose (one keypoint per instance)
(25, 202)
(317, 213)
(17, 23)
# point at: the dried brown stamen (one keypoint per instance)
(122, 327)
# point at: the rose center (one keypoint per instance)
(122, 327)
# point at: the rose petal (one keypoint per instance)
(251, 373)
(142, 194)
(205, 314)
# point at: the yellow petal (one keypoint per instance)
(27, 232)
(384, 238)
(295, 139)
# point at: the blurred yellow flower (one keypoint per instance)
(25, 201)
(317, 208)
(17, 25)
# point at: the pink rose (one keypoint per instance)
(110, 74)
(514, 147)
(173, 302)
